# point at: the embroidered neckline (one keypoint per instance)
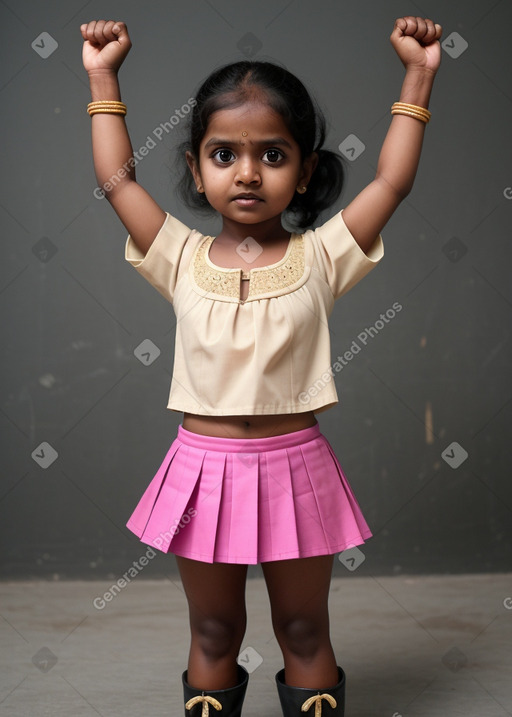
(248, 274)
(225, 282)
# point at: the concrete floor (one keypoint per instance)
(410, 646)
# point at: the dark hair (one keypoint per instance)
(234, 84)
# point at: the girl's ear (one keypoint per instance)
(195, 171)
(308, 167)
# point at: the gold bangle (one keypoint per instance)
(108, 106)
(412, 108)
(414, 115)
(106, 110)
(412, 112)
(101, 103)
(415, 108)
(403, 108)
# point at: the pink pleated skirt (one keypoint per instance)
(238, 500)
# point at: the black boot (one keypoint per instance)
(316, 703)
(228, 702)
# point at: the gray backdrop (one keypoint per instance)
(421, 427)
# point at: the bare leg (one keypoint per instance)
(298, 591)
(218, 619)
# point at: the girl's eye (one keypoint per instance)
(223, 155)
(273, 155)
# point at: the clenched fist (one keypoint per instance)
(416, 41)
(106, 44)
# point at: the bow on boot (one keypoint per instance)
(317, 701)
(206, 700)
(328, 702)
(230, 700)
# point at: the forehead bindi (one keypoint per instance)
(253, 124)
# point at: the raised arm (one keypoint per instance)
(106, 44)
(416, 42)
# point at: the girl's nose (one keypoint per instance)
(247, 171)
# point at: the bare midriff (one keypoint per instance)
(248, 426)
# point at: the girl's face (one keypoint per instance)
(249, 164)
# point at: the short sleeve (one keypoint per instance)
(340, 258)
(160, 264)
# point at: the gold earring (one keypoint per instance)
(301, 190)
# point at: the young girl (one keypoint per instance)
(250, 478)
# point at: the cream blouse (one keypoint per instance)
(268, 354)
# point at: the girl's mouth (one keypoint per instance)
(246, 201)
